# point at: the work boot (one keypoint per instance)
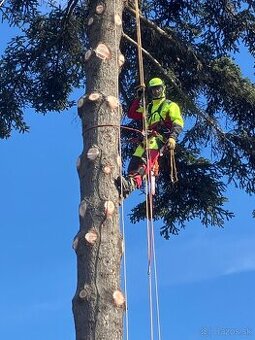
(125, 186)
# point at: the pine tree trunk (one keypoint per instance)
(98, 304)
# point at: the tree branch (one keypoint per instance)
(155, 62)
(69, 9)
(189, 103)
(173, 38)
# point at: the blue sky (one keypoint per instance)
(206, 276)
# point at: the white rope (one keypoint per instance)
(149, 226)
(149, 252)
(150, 280)
(149, 223)
(125, 270)
(156, 285)
(1, 3)
(120, 172)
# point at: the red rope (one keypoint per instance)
(115, 126)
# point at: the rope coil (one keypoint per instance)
(173, 168)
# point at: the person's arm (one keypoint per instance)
(135, 111)
(176, 119)
(173, 115)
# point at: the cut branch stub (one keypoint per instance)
(75, 243)
(100, 8)
(112, 102)
(118, 298)
(117, 20)
(94, 96)
(87, 293)
(103, 52)
(88, 55)
(107, 169)
(78, 163)
(121, 59)
(93, 153)
(90, 21)
(91, 236)
(80, 102)
(109, 208)
(82, 208)
(83, 294)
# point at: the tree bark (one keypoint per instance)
(97, 305)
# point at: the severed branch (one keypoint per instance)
(155, 62)
(69, 9)
(184, 49)
(151, 24)
(189, 103)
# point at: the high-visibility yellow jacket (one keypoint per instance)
(163, 116)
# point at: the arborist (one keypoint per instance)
(164, 122)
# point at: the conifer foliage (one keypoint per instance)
(190, 44)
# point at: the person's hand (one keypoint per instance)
(171, 143)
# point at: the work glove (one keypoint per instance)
(171, 143)
(139, 91)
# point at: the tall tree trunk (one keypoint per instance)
(98, 304)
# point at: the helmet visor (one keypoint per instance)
(157, 91)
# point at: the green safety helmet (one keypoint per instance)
(156, 82)
(157, 88)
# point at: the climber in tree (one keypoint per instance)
(164, 123)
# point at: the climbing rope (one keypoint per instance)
(173, 168)
(115, 126)
(139, 47)
(148, 220)
(148, 187)
(156, 285)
